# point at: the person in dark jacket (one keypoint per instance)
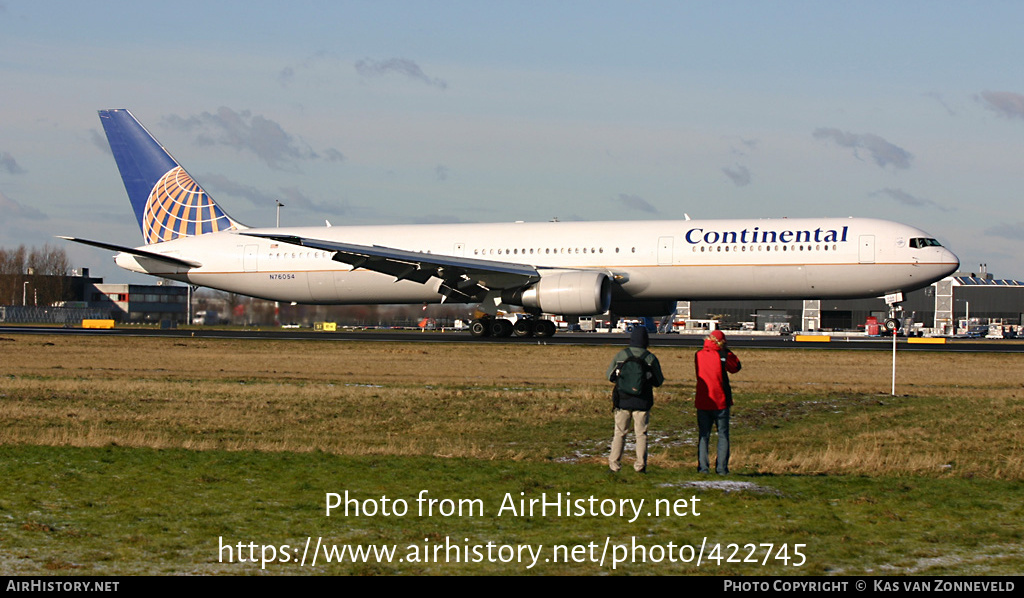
(713, 364)
(633, 407)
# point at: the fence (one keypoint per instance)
(60, 316)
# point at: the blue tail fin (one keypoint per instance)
(167, 201)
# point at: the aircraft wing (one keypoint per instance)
(174, 261)
(464, 279)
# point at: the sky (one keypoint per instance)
(419, 112)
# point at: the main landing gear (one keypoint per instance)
(502, 328)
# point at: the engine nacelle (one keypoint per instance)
(569, 293)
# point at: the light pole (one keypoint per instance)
(277, 305)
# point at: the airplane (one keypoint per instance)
(630, 268)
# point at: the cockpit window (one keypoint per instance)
(921, 243)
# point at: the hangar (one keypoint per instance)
(949, 306)
(142, 304)
(52, 299)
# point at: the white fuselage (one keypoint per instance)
(649, 260)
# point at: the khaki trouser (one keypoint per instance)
(640, 421)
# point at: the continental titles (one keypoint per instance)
(755, 235)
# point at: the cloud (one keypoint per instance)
(333, 155)
(11, 210)
(740, 176)
(289, 196)
(400, 66)
(741, 147)
(9, 165)
(218, 183)
(286, 76)
(942, 102)
(901, 196)
(1004, 103)
(882, 152)
(635, 202)
(100, 141)
(293, 196)
(1012, 231)
(246, 131)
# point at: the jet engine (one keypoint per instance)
(570, 293)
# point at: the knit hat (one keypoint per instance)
(718, 337)
(639, 337)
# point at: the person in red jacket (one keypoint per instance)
(713, 364)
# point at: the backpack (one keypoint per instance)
(633, 375)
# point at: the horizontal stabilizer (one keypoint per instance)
(174, 261)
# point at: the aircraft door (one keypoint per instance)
(665, 251)
(867, 249)
(321, 286)
(249, 258)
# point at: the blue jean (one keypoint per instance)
(705, 419)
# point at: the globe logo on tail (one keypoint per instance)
(178, 207)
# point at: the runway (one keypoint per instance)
(837, 342)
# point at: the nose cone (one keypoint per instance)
(949, 260)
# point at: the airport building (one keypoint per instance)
(142, 304)
(960, 304)
(950, 306)
(70, 299)
(31, 298)
(35, 290)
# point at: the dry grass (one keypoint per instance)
(956, 414)
(342, 398)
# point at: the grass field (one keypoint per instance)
(134, 455)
